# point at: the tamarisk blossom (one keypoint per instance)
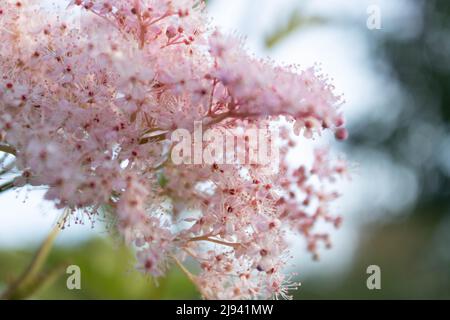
(89, 96)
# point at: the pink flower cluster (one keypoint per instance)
(89, 97)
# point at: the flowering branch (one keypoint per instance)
(8, 149)
(184, 269)
(89, 112)
(31, 278)
(212, 240)
(7, 168)
(6, 186)
(190, 276)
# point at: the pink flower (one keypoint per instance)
(89, 110)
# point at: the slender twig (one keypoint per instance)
(110, 22)
(7, 149)
(192, 254)
(190, 276)
(211, 97)
(142, 31)
(7, 168)
(217, 119)
(234, 245)
(45, 279)
(18, 289)
(167, 14)
(6, 186)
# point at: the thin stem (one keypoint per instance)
(28, 278)
(185, 270)
(233, 245)
(155, 138)
(6, 186)
(111, 23)
(190, 276)
(7, 149)
(171, 43)
(230, 115)
(211, 97)
(167, 14)
(8, 167)
(192, 254)
(142, 31)
(217, 119)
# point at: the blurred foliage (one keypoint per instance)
(420, 64)
(412, 248)
(33, 277)
(107, 272)
(411, 261)
(295, 22)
